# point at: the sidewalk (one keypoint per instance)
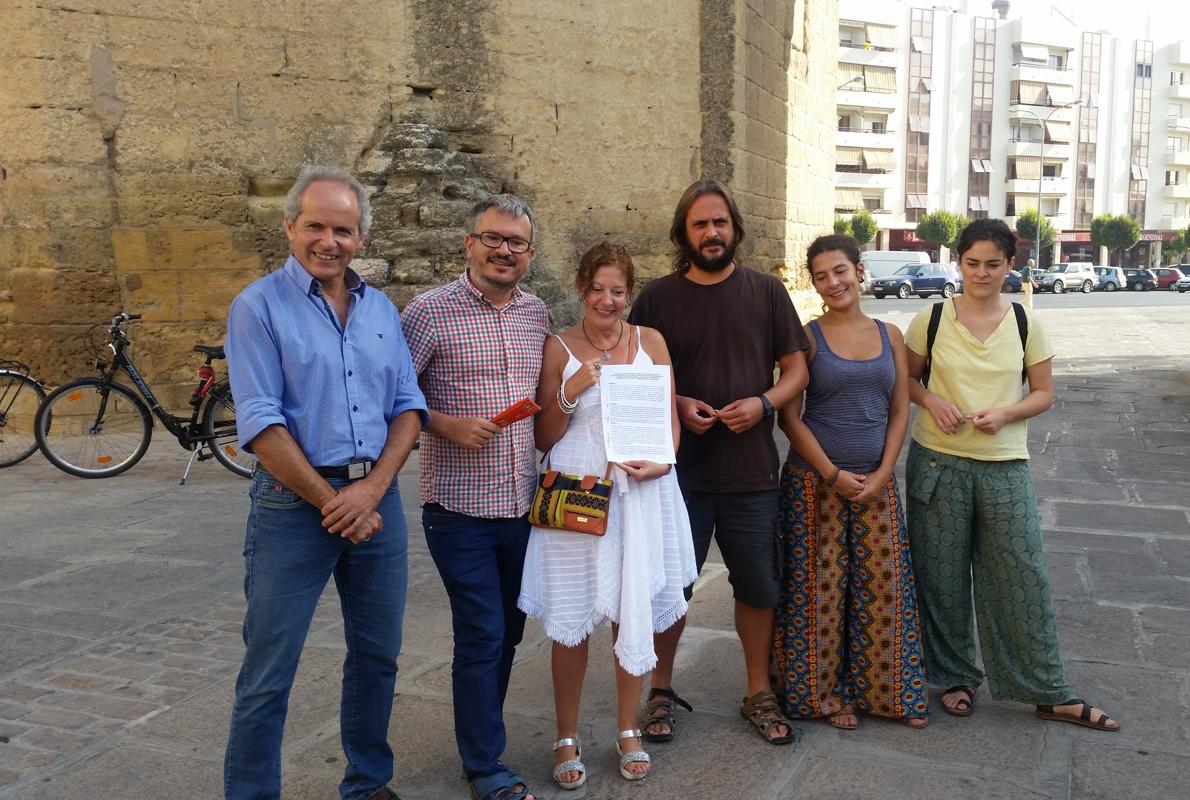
(120, 610)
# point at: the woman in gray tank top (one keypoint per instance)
(847, 636)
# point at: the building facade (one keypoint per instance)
(989, 114)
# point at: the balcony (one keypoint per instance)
(868, 180)
(1041, 73)
(885, 101)
(1181, 158)
(1179, 91)
(1054, 151)
(1049, 186)
(853, 54)
(1175, 223)
(1178, 192)
(1178, 124)
(867, 139)
(1180, 53)
(1029, 112)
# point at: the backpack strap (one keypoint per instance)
(931, 335)
(1022, 327)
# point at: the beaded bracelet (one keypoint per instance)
(564, 404)
(834, 477)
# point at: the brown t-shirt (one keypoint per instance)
(724, 340)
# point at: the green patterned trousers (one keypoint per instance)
(975, 524)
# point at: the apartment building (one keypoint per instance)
(990, 114)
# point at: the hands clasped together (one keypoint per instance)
(948, 417)
(351, 512)
(698, 417)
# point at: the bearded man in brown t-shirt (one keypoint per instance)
(726, 327)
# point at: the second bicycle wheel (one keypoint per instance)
(219, 423)
(20, 396)
(77, 438)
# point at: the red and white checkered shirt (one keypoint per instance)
(475, 360)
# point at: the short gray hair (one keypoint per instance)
(312, 173)
(508, 203)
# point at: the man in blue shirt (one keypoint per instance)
(328, 401)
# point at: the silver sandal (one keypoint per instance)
(570, 765)
(632, 757)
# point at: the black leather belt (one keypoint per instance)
(348, 472)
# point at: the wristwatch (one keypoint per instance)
(767, 410)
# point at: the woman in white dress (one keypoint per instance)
(634, 574)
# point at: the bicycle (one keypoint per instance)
(20, 396)
(97, 428)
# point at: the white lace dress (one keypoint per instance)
(634, 574)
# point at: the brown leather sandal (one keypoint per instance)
(761, 710)
(966, 705)
(660, 710)
(1104, 723)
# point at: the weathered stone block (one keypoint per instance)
(63, 136)
(415, 135)
(441, 214)
(154, 295)
(62, 82)
(146, 249)
(55, 248)
(156, 198)
(206, 295)
(64, 296)
(220, 49)
(374, 271)
(149, 141)
(36, 196)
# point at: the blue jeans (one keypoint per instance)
(480, 561)
(288, 558)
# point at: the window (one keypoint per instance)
(1144, 70)
(844, 122)
(1172, 177)
(1177, 78)
(1049, 171)
(879, 126)
(873, 203)
(1055, 62)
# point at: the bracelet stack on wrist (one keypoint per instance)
(834, 477)
(564, 404)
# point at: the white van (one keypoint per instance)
(879, 263)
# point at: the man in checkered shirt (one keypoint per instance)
(476, 345)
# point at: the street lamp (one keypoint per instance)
(1086, 101)
(849, 81)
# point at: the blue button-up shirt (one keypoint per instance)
(334, 388)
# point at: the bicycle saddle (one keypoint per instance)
(212, 351)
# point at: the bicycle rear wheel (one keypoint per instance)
(20, 396)
(219, 423)
(93, 431)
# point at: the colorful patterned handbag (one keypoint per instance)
(570, 502)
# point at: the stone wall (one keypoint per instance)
(145, 147)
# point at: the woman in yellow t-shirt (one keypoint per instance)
(972, 508)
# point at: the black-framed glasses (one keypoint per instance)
(493, 240)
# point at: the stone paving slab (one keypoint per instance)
(120, 613)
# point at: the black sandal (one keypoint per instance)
(1082, 718)
(966, 706)
(660, 710)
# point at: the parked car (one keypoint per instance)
(1166, 276)
(1182, 268)
(1110, 279)
(920, 279)
(882, 263)
(1183, 284)
(1140, 279)
(1073, 276)
(1013, 282)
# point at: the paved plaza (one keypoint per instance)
(121, 602)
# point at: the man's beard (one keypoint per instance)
(716, 264)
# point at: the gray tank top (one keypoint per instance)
(846, 406)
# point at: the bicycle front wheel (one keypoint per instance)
(219, 424)
(91, 430)
(20, 397)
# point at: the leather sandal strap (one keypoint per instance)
(670, 696)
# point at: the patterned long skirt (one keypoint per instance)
(846, 628)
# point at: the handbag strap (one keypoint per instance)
(545, 464)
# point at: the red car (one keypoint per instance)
(1166, 276)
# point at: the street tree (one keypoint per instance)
(842, 226)
(1178, 245)
(940, 227)
(1026, 228)
(1117, 232)
(863, 227)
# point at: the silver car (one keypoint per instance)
(1073, 276)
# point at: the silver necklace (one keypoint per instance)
(606, 350)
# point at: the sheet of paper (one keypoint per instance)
(636, 413)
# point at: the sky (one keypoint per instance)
(1132, 19)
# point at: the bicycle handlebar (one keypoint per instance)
(121, 318)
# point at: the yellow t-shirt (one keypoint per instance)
(976, 375)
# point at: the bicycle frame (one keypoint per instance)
(184, 430)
